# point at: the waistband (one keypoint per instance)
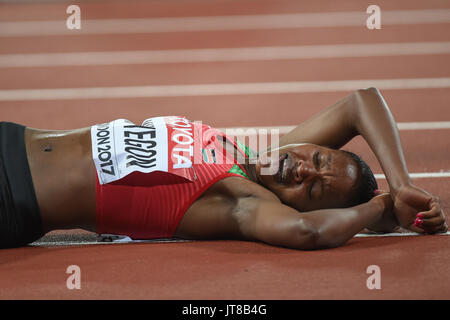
(14, 160)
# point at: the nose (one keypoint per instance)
(304, 171)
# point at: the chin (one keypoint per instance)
(267, 167)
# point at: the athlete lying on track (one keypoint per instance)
(119, 178)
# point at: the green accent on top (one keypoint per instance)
(205, 157)
(237, 170)
(249, 153)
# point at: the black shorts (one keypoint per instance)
(20, 220)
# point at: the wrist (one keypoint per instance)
(382, 203)
(396, 188)
(379, 206)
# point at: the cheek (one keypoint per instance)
(292, 198)
(341, 199)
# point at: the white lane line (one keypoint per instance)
(64, 243)
(214, 23)
(397, 234)
(424, 125)
(222, 54)
(83, 243)
(219, 89)
(282, 130)
(421, 175)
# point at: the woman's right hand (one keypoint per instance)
(419, 211)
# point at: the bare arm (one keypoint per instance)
(277, 224)
(376, 124)
(364, 113)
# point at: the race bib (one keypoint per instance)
(167, 144)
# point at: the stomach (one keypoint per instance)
(64, 177)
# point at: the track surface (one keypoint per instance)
(415, 267)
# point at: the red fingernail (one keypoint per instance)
(420, 216)
(418, 222)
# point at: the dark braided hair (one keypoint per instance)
(366, 184)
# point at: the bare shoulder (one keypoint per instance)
(240, 209)
(217, 213)
(240, 187)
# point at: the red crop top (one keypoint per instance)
(149, 175)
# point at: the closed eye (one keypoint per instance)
(316, 160)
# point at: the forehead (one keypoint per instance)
(342, 178)
(345, 176)
(346, 165)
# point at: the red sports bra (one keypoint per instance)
(149, 175)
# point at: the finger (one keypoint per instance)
(414, 228)
(435, 202)
(435, 210)
(433, 225)
(430, 223)
(443, 229)
(438, 229)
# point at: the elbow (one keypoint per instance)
(312, 238)
(368, 102)
(363, 96)
(358, 104)
(307, 240)
(307, 237)
(367, 92)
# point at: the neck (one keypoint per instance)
(250, 168)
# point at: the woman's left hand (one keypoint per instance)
(418, 210)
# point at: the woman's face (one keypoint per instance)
(309, 177)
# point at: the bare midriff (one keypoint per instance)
(63, 175)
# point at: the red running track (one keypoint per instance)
(413, 267)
